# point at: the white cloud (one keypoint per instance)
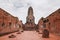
(19, 8)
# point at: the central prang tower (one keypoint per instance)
(30, 19)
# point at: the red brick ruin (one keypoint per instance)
(53, 24)
(10, 23)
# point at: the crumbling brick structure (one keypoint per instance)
(53, 25)
(8, 23)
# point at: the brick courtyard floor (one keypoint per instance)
(29, 35)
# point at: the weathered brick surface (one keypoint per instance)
(53, 25)
(40, 24)
(54, 21)
(8, 23)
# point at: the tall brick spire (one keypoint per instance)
(30, 18)
(30, 11)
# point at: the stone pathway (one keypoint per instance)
(29, 35)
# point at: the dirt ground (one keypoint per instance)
(29, 35)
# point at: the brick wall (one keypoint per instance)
(53, 25)
(54, 21)
(8, 23)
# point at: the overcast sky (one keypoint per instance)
(19, 8)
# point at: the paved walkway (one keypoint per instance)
(29, 35)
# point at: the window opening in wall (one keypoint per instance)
(10, 24)
(30, 20)
(3, 24)
(49, 23)
(44, 21)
